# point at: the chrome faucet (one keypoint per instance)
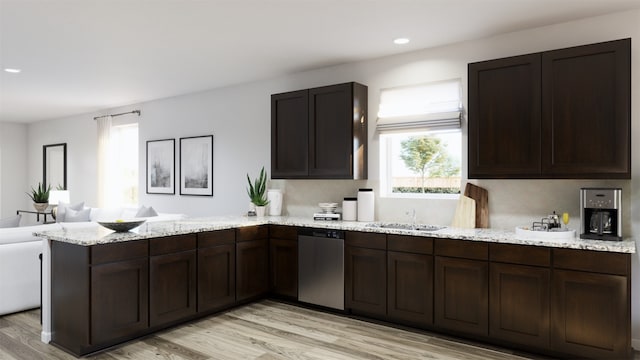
(412, 214)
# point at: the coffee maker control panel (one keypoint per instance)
(599, 199)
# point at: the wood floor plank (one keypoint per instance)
(266, 330)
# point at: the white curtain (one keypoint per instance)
(104, 161)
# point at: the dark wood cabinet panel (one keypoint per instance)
(519, 304)
(216, 277)
(172, 287)
(461, 301)
(591, 314)
(556, 114)
(504, 117)
(252, 269)
(410, 288)
(366, 280)
(366, 240)
(320, 133)
(119, 299)
(335, 130)
(283, 256)
(592, 261)
(462, 249)
(586, 106)
(97, 305)
(248, 233)
(290, 135)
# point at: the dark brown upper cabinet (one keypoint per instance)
(563, 114)
(320, 133)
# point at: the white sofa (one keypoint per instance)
(20, 263)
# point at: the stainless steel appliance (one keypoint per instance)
(321, 267)
(601, 213)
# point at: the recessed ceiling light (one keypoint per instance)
(401, 41)
(12, 71)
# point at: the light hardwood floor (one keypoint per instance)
(264, 330)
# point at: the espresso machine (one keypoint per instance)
(601, 214)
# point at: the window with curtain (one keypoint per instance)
(117, 163)
(421, 140)
(124, 155)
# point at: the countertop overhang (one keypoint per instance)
(96, 235)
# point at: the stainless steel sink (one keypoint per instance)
(417, 227)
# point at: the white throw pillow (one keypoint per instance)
(77, 216)
(13, 221)
(146, 212)
(63, 207)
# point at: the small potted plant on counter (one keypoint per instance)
(40, 197)
(257, 192)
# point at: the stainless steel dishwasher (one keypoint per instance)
(321, 267)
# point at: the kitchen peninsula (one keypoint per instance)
(560, 297)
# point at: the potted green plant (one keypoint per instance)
(40, 197)
(257, 192)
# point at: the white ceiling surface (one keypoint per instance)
(81, 56)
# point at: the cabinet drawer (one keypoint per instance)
(366, 240)
(105, 253)
(462, 249)
(252, 233)
(215, 238)
(283, 232)
(520, 254)
(594, 261)
(411, 244)
(172, 244)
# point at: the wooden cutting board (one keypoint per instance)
(465, 215)
(481, 197)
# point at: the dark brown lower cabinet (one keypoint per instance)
(119, 299)
(172, 279)
(461, 292)
(591, 314)
(99, 294)
(410, 287)
(216, 277)
(366, 280)
(283, 255)
(519, 306)
(252, 269)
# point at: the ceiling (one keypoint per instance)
(81, 56)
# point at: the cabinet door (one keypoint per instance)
(587, 111)
(172, 287)
(519, 306)
(504, 118)
(365, 280)
(216, 277)
(410, 287)
(330, 131)
(119, 300)
(252, 269)
(461, 295)
(591, 314)
(289, 135)
(284, 267)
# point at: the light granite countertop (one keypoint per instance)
(95, 234)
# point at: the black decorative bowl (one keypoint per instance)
(122, 225)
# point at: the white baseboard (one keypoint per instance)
(45, 337)
(635, 344)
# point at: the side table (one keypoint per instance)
(38, 213)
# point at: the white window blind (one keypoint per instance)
(431, 106)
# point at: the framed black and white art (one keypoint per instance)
(161, 166)
(196, 165)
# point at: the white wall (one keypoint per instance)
(13, 169)
(239, 119)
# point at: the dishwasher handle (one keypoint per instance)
(322, 233)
